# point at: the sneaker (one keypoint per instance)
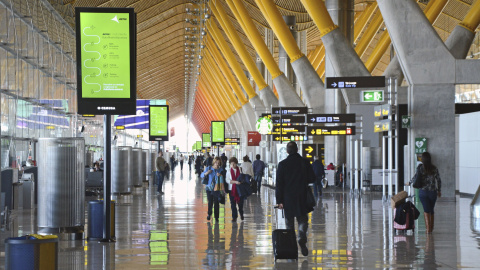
(304, 249)
(208, 217)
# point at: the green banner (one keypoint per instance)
(105, 51)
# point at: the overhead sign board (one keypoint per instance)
(106, 60)
(330, 118)
(381, 126)
(158, 128)
(327, 131)
(309, 151)
(232, 139)
(289, 110)
(386, 110)
(218, 132)
(286, 138)
(355, 82)
(371, 96)
(289, 119)
(292, 129)
(206, 140)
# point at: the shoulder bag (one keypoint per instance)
(418, 179)
(310, 197)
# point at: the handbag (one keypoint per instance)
(310, 198)
(205, 179)
(418, 180)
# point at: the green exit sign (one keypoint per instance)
(372, 96)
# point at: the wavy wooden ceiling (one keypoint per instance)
(161, 71)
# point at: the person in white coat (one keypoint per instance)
(231, 179)
(247, 167)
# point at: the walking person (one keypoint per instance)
(182, 158)
(431, 190)
(235, 199)
(190, 161)
(258, 171)
(319, 171)
(293, 176)
(160, 166)
(211, 172)
(172, 162)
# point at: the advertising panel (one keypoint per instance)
(218, 132)
(158, 128)
(106, 60)
(206, 140)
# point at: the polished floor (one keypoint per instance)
(346, 231)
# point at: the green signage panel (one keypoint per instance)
(106, 60)
(372, 96)
(206, 140)
(198, 145)
(218, 132)
(406, 121)
(158, 128)
(420, 145)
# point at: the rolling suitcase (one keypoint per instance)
(284, 243)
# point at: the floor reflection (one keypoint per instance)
(346, 231)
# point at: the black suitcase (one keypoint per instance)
(253, 186)
(284, 244)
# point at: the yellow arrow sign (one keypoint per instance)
(309, 149)
(277, 138)
(313, 132)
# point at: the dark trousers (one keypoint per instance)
(258, 178)
(428, 199)
(160, 178)
(181, 165)
(302, 227)
(233, 205)
(317, 187)
(213, 202)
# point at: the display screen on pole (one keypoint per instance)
(106, 60)
(158, 130)
(218, 132)
(206, 140)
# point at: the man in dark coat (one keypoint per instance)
(319, 174)
(293, 176)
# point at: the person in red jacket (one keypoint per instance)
(331, 166)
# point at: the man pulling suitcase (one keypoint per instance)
(291, 192)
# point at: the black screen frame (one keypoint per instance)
(108, 106)
(157, 138)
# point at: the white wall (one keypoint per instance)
(468, 166)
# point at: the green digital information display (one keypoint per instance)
(198, 145)
(158, 128)
(218, 132)
(206, 140)
(106, 60)
(105, 50)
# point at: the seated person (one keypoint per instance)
(97, 167)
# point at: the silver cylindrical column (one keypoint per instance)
(148, 164)
(143, 166)
(136, 162)
(61, 186)
(121, 170)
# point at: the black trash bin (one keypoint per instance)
(29, 252)
(95, 220)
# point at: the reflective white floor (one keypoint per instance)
(345, 232)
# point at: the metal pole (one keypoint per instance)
(356, 165)
(396, 133)
(361, 154)
(107, 181)
(383, 169)
(390, 139)
(350, 163)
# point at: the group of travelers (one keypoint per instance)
(294, 174)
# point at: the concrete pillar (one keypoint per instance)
(429, 69)
(341, 13)
(283, 59)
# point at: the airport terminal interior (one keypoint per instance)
(113, 111)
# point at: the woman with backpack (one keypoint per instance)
(431, 188)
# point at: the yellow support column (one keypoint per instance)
(363, 20)
(472, 19)
(215, 74)
(227, 26)
(223, 110)
(214, 93)
(255, 38)
(274, 18)
(232, 61)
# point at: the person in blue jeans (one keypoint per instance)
(212, 171)
(431, 190)
(258, 170)
(160, 166)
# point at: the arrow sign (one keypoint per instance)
(368, 96)
(309, 149)
(313, 119)
(334, 84)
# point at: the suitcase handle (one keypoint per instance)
(283, 215)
